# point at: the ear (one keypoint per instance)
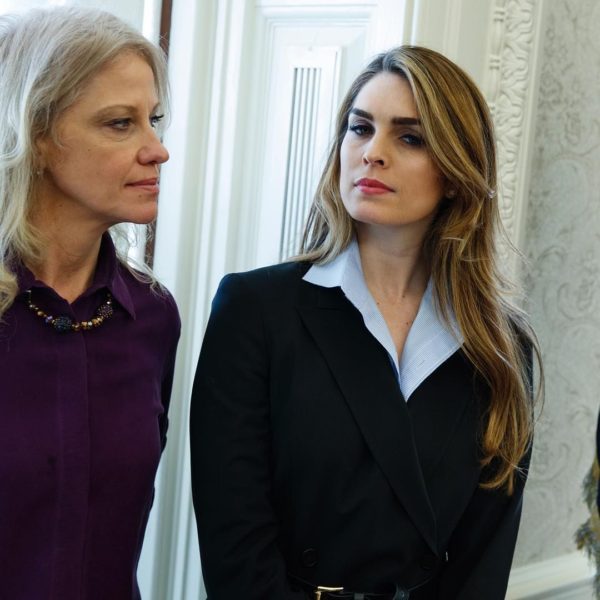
(44, 145)
(449, 187)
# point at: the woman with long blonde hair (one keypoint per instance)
(362, 416)
(87, 343)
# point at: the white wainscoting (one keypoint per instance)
(567, 577)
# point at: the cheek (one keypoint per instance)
(431, 179)
(345, 163)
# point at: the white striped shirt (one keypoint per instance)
(429, 342)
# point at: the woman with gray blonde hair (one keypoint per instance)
(362, 416)
(87, 343)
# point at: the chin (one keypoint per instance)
(375, 216)
(144, 216)
(145, 221)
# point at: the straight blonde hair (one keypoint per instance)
(47, 57)
(459, 246)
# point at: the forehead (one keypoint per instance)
(387, 95)
(127, 79)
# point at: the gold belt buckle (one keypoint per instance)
(321, 588)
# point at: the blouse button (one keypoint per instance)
(309, 558)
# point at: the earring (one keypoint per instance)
(451, 193)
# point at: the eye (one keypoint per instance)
(156, 119)
(412, 139)
(120, 124)
(360, 129)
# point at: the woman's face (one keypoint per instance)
(387, 176)
(104, 168)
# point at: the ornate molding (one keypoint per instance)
(508, 88)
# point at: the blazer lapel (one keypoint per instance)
(361, 368)
(443, 403)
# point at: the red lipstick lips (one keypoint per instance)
(372, 186)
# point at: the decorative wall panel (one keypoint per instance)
(508, 83)
(299, 171)
(293, 111)
(563, 245)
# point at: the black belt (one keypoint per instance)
(321, 592)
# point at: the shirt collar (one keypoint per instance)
(430, 340)
(330, 274)
(108, 274)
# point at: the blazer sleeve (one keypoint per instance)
(481, 548)
(230, 453)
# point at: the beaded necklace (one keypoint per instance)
(63, 324)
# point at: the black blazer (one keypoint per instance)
(307, 461)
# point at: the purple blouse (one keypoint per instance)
(83, 419)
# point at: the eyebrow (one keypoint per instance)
(395, 120)
(127, 107)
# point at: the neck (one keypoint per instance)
(69, 257)
(392, 263)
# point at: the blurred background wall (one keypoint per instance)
(562, 243)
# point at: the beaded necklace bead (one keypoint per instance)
(64, 324)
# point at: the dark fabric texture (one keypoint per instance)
(306, 460)
(83, 423)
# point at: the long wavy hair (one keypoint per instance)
(459, 247)
(47, 57)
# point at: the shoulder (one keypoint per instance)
(266, 293)
(274, 281)
(146, 296)
(273, 275)
(526, 350)
(165, 301)
(524, 335)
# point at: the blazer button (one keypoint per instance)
(309, 558)
(428, 561)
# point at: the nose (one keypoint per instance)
(153, 151)
(375, 152)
